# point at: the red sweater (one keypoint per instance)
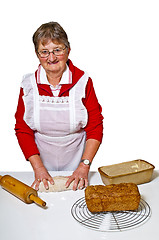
(94, 128)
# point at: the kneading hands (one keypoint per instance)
(79, 176)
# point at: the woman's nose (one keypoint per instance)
(51, 57)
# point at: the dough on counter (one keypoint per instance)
(58, 186)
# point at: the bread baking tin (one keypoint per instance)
(137, 171)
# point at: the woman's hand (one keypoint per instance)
(80, 177)
(41, 175)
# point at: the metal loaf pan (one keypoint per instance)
(137, 171)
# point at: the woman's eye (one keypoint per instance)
(57, 50)
(44, 52)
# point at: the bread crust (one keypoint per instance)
(114, 197)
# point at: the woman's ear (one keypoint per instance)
(69, 49)
(68, 52)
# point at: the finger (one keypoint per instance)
(46, 185)
(81, 183)
(69, 181)
(37, 183)
(75, 184)
(86, 182)
(50, 179)
(33, 184)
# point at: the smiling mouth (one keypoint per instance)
(52, 63)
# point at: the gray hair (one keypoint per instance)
(50, 31)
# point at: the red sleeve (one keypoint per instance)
(24, 133)
(94, 128)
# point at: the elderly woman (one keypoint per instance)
(58, 119)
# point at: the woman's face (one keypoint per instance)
(53, 63)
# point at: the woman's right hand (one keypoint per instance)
(42, 175)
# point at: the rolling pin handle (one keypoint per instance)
(37, 200)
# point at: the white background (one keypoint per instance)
(117, 43)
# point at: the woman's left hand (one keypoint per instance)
(80, 177)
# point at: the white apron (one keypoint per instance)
(58, 123)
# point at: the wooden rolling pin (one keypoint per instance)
(20, 190)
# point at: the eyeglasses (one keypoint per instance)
(56, 52)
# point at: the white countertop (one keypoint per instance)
(22, 221)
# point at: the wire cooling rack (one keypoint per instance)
(110, 221)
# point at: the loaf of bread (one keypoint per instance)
(114, 197)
